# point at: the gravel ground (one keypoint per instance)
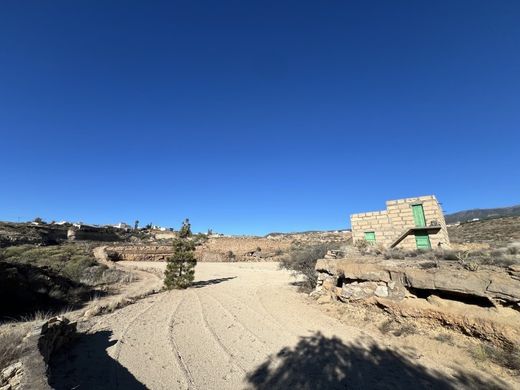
(244, 325)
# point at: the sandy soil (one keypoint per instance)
(244, 325)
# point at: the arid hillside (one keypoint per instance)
(273, 247)
(468, 215)
(495, 232)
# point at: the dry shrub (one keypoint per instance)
(394, 253)
(397, 329)
(361, 245)
(507, 356)
(448, 254)
(101, 275)
(10, 347)
(514, 248)
(386, 326)
(472, 266)
(444, 338)
(366, 248)
(38, 316)
(302, 261)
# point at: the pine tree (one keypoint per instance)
(185, 231)
(180, 270)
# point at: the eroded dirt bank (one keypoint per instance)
(244, 325)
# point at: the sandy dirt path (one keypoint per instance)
(244, 325)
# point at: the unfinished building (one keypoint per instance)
(406, 223)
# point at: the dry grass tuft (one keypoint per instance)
(507, 357)
(397, 329)
(444, 338)
(10, 347)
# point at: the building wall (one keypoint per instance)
(389, 224)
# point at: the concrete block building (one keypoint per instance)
(409, 223)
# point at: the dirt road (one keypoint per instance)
(244, 325)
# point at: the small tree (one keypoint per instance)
(185, 231)
(136, 224)
(180, 270)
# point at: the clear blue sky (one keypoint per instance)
(255, 116)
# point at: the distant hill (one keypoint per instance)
(495, 231)
(468, 215)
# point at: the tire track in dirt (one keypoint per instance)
(137, 317)
(263, 316)
(144, 345)
(240, 323)
(193, 337)
(217, 339)
(242, 347)
(264, 309)
(126, 329)
(176, 351)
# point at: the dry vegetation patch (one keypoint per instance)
(495, 232)
(51, 278)
(10, 346)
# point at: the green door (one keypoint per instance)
(370, 237)
(418, 215)
(422, 240)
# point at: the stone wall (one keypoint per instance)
(389, 224)
(213, 250)
(139, 252)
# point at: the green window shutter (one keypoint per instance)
(418, 215)
(422, 240)
(370, 237)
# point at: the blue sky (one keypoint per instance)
(255, 116)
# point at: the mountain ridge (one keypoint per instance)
(468, 215)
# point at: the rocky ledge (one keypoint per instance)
(483, 303)
(394, 279)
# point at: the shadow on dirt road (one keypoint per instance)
(319, 362)
(210, 282)
(92, 367)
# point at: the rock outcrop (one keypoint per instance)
(38, 346)
(11, 377)
(483, 303)
(25, 233)
(355, 277)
